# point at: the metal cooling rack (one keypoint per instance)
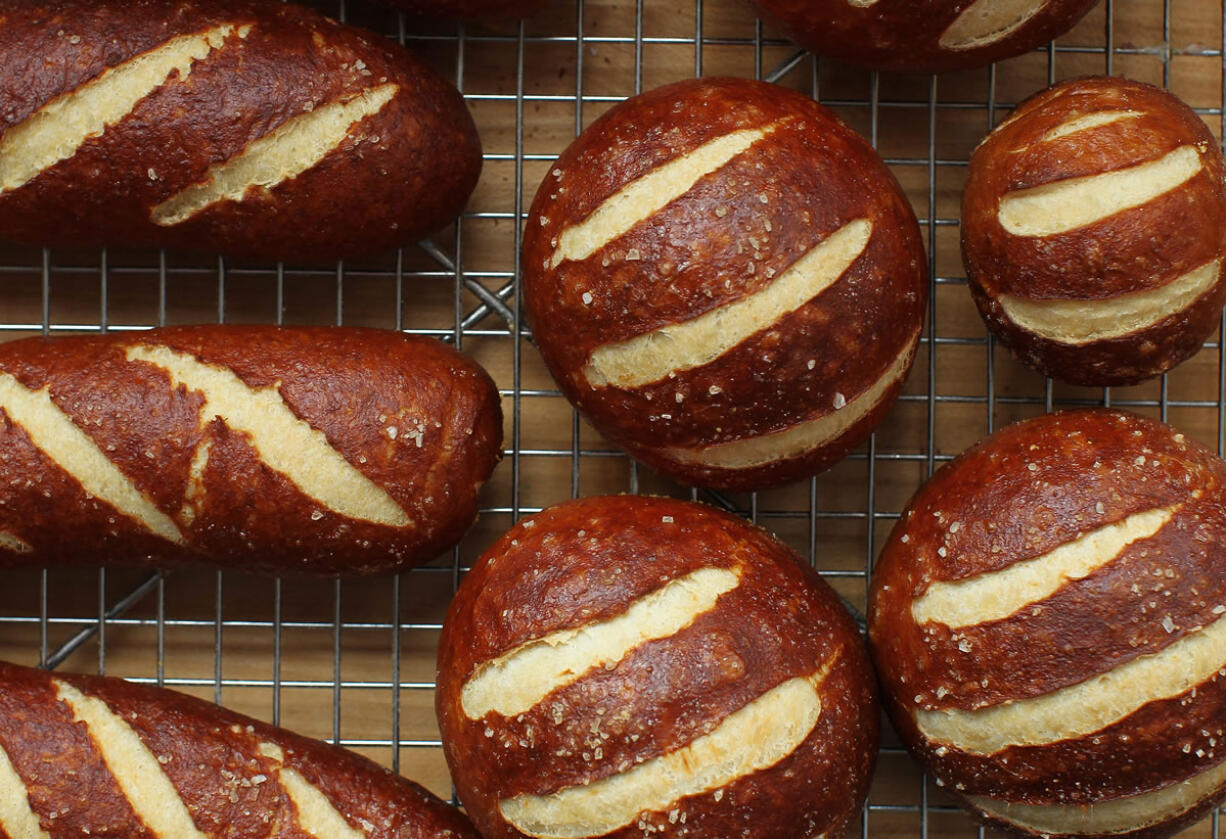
(352, 661)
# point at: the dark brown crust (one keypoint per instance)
(587, 560)
(1135, 250)
(766, 208)
(903, 36)
(350, 384)
(400, 174)
(1090, 469)
(472, 11)
(212, 758)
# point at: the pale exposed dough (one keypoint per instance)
(193, 496)
(1084, 321)
(1066, 205)
(278, 437)
(135, 768)
(17, 819)
(1086, 707)
(683, 346)
(647, 194)
(1121, 815)
(57, 130)
(316, 815)
(998, 594)
(286, 152)
(801, 438)
(56, 436)
(15, 544)
(1097, 119)
(985, 22)
(516, 681)
(752, 738)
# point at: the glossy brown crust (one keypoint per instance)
(400, 174)
(728, 237)
(904, 36)
(1134, 250)
(353, 385)
(212, 758)
(471, 11)
(586, 561)
(1019, 494)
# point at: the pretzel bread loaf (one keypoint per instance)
(332, 450)
(931, 37)
(630, 666)
(727, 280)
(1094, 231)
(90, 756)
(1047, 623)
(248, 127)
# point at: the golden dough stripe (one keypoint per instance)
(643, 197)
(516, 681)
(17, 818)
(656, 355)
(803, 437)
(1123, 815)
(984, 22)
(1069, 204)
(56, 131)
(284, 442)
(1086, 707)
(995, 595)
(754, 737)
(316, 813)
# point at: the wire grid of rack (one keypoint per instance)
(352, 661)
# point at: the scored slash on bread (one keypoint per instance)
(266, 448)
(1094, 231)
(1046, 620)
(248, 127)
(622, 666)
(86, 755)
(726, 280)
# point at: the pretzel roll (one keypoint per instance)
(629, 666)
(1046, 620)
(930, 37)
(726, 280)
(1094, 229)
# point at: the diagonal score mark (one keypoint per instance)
(279, 438)
(985, 22)
(650, 193)
(750, 739)
(802, 438)
(1062, 206)
(17, 818)
(655, 355)
(284, 153)
(57, 130)
(1083, 321)
(1095, 119)
(153, 797)
(995, 595)
(1121, 815)
(72, 450)
(1085, 707)
(316, 814)
(516, 681)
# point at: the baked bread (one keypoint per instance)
(326, 450)
(1094, 229)
(1046, 621)
(931, 37)
(726, 280)
(630, 666)
(251, 128)
(91, 756)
